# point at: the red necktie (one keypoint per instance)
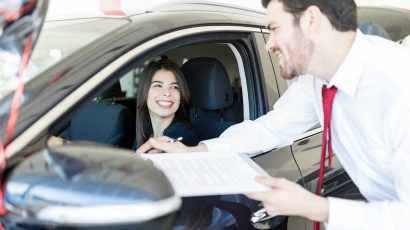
(328, 94)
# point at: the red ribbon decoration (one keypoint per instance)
(11, 124)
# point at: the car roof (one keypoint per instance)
(207, 6)
(205, 11)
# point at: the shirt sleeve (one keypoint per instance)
(347, 214)
(293, 114)
(388, 214)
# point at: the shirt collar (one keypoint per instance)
(348, 75)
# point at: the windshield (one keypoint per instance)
(59, 39)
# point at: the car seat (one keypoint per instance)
(373, 28)
(212, 110)
(211, 96)
(102, 121)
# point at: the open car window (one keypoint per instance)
(112, 113)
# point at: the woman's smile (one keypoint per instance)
(165, 104)
(163, 95)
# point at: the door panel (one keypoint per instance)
(307, 153)
(268, 75)
(279, 163)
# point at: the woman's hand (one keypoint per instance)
(162, 144)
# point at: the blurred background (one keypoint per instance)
(62, 9)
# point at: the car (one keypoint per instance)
(83, 75)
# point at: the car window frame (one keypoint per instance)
(102, 78)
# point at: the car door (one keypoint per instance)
(277, 162)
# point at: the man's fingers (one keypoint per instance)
(269, 181)
(260, 196)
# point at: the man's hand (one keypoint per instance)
(290, 199)
(166, 144)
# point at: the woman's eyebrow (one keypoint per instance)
(174, 83)
(161, 82)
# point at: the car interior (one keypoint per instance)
(217, 101)
(397, 26)
(214, 78)
(102, 120)
(212, 107)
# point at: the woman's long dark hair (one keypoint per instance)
(144, 126)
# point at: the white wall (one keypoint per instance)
(82, 8)
(398, 3)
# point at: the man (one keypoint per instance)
(317, 40)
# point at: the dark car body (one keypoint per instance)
(234, 35)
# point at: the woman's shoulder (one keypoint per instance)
(180, 125)
(178, 128)
(184, 130)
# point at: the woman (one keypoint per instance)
(162, 110)
(163, 104)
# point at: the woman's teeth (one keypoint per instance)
(164, 103)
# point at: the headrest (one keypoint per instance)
(373, 28)
(113, 92)
(208, 83)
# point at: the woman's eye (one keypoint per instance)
(175, 87)
(156, 85)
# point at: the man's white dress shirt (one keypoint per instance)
(370, 131)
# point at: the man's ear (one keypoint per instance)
(310, 20)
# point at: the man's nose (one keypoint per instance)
(270, 44)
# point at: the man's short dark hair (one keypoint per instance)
(342, 14)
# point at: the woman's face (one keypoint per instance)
(163, 95)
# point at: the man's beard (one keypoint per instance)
(303, 53)
(289, 76)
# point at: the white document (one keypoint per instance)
(202, 174)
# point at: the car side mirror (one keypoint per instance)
(86, 186)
